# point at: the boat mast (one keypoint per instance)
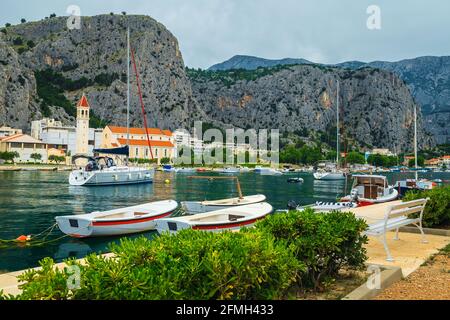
(128, 87)
(337, 126)
(415, 142)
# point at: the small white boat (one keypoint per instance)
(295, 180)
(371, 189)
(216, 221)
(116, 222)
(329, 175)
(229, 170)
(329, 206)
(194, 207)
(269, 172)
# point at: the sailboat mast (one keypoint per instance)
(128, 87)
(415, 141)
(337, 125)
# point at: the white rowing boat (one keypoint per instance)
(193, 207)
(116, 222)
(216, 221)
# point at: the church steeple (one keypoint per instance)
(83, 109)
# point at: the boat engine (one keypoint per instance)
(354, 195)
(292, 205)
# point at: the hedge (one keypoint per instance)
(325, 242)
(437, 210)
(265, 262)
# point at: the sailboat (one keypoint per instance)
(103, 171)
(403, 186)
(335, 173)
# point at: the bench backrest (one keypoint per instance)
(406, 208)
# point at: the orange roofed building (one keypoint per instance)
(161, 141)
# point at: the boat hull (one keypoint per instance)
(195, 207)
(329, 176)
(116, 176)
(217, 221)
(85, 226)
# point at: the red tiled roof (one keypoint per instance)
(166, 144)
(83, 103)
(151, 131)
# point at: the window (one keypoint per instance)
(137, 152)
(156, 152)
(165, 153)
(146, 152)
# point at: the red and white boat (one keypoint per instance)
(216, 221)
(371, 189)
(118, 221)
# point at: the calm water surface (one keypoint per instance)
(29, 201)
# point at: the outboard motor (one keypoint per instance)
(292, 205)
(354, 195)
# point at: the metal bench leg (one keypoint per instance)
(388, 253)
(424, 240)
(396, 235)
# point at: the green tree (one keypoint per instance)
(56, 159)
(9, 156)
(36, 156)
(355, 157)
(165, 161)
(420, 162)
(23, 20)
(7, 24)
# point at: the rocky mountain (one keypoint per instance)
(253, 63)
(428, 78)
(375, 110)
(45, 68)
(92, 60)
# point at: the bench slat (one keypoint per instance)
(419, 202)
(379, 229)
(405, 212)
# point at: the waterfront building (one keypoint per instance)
(161, 141)
(25, 146)
(8, 131)
(63, 137)
(383, 152)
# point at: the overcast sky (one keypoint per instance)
(325, 31)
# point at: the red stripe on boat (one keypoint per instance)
(223, 226)
(131, 221)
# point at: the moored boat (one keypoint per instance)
(194, 207)
(329, 175)
(371, 189)
(216, 221)
(120, 221)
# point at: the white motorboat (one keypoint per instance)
(118, 221)
(269, 172)
(329, 175)
(321, 206)
(102, 171)
(194, 207)
(371, 189)
(229, 170)
(216, 221)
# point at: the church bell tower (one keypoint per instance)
(82, 131)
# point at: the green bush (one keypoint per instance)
(437, 210)
(191, 265)
(325, 242)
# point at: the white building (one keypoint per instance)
(8, 131)
(61, 137)
(25, 146)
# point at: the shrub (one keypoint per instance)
(191, 265)
(437, 210)
(324, 242)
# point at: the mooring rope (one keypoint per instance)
(38, 239)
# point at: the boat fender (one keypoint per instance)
(167, 181)
(23, 238)
(116, 177)
(129, 176)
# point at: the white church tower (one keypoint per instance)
(82, 126)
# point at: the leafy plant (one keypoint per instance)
(36, 156)
(437, 210)
(324, 242)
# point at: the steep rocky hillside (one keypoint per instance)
(427, 77)
(375, 111)
(93, 60)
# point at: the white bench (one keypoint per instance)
(397, 216)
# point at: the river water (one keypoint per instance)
(29, 201)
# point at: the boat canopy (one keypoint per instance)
(125, 151)
(81, 156)
(370, 180)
